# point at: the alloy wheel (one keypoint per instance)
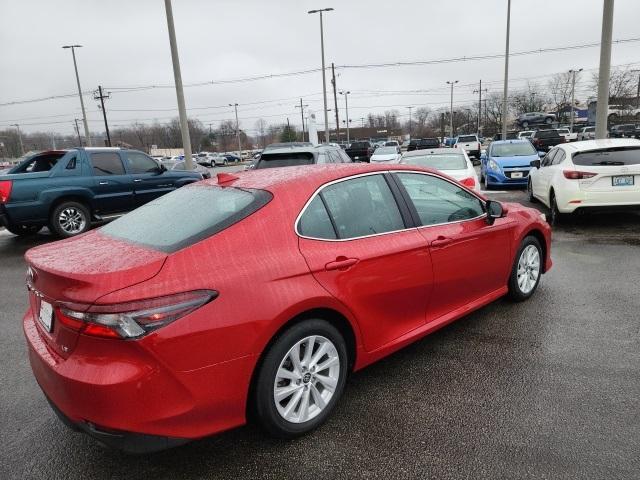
(306, 379)
(528, 269)
(72, 221)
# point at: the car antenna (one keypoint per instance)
(226, 177)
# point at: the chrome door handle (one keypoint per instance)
(103, 183)
(137, 180)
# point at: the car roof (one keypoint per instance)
(600, 144)
(433, 151)
(299, 149)
(304, 179)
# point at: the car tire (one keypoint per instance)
(24, 230)
(70, 219)
(485, 182)
(526, 270)
(555, 217)
(285, 418)
(530, 195)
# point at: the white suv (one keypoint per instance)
(587, 175)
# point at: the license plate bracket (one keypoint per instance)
(516, 174)
(45, 316)
(622, 181)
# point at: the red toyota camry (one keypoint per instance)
(257, 293)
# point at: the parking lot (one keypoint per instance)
(543, 389)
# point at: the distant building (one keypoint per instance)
(364, 133)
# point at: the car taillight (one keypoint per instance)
(468, 182)
(577, 175)
(5, 190)
(132, 319)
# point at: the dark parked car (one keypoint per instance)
(360, 151)
(68, 189)
(625, 130)
(423, 144)
(290, 156)
(512, 135)
(232, 158)
(535, 118)
(543, 140)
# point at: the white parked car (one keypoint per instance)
(587, 175)
(566, 133)
(451, 161)
(470, 144)
(526, 134)
(587, 133)
(386, 155)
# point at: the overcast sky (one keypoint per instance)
(126, 45)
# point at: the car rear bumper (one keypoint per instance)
(130, 399)
(602, 201)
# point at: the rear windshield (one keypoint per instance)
(186, 216)
(445, 161)
(513, 149)
(467, 138)
(610, 156)
(547, 133)
(273, 160)
(430, 141)
(38, 163)
(360, 145)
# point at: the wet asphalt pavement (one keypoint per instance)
(549, 388)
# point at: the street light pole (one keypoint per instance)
(177, 76)
(324, 80)
(573, 95)
(235, 105)
(410, 124)
(19, 138)
(346, 110)
(602, 107)
(505, 93)
(84, 113)
(451, 111)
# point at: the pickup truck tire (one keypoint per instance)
(69, 219)
(24, 230)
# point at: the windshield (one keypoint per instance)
(513, 150)
(386, 151)
(467, 138)
(186, 216)
(444, 161)
(608, 157)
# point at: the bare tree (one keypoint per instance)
(622, 83)
(261, 127)
(559, 87)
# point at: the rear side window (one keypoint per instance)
(273, 160)
(186, 216)
(106, 163)
(38, 163)
(140, 163)
(362, 206)
(315, 221)
(610, 156)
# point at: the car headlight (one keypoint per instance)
(493, 166)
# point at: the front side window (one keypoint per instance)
(438, 201)
(166, 225)
(548, 158)
(140, 163)
(559, 157)
(362, 206)
(106, 163)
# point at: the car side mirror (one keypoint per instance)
(535, 163)
(495, 210)
(483, 156)
(541, 154)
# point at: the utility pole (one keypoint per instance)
(479, 92)
(324, 80)
(505, 94)
(335, 100)
(638, 93)
(78, 132)
(602, 107)
(84, 113)
(177, 75)
(451, 114)
(346, 108)
(235, 105)
(100, 96)
(410, 125)
(302, 107)
(573, 95)
(210, 129)
(19, 138)
(442, 126)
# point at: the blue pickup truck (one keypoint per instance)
(66, 190)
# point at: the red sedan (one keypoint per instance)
(257, 293)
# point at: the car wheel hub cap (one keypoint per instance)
(306, 379)
(72, 220)
(528, 269)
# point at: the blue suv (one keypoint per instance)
(507, 163)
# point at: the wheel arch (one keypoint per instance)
(538, 235)
(73, 197)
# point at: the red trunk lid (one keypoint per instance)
(81, 270)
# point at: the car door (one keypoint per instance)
(149, 180)
(544, 175)
(112, 185)
(360, 246)
(470, 258)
